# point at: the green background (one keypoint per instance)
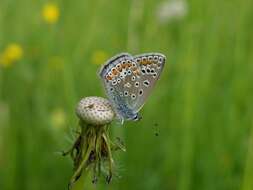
(202, 104)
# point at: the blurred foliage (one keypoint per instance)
(202, 104)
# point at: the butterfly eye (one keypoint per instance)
(110, 74)
(129, 72)
(137, 84)
(123, 62)
(154, 75)
(126, 93)
(155, 57)
(138, 60)
(133, 78)
(118, 80)
(128, 61)
(152, 70)
(111, 89)
(136, 118)
(160, 59)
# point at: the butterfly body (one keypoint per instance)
(128, 81)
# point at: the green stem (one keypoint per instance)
(248, 173)
(83, 181)
(110, 160)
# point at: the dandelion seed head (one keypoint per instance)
(95, 110)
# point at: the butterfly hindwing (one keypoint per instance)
(151, 66)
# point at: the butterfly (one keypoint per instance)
(128, 81)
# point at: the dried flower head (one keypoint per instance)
(95, 110)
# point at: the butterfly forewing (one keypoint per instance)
(117, 77)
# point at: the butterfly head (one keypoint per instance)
(136, 117)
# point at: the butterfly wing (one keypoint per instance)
(129, 80)
(151, 66)
(117, 75)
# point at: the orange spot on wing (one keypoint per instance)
(114, 71)
(149, 62)
(137, 72)
(119, 68)
(134, 68)
(108, 77)
(124, 65)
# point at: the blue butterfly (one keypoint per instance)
(129, 80)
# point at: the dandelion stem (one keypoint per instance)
(81, 165)
(110, 160)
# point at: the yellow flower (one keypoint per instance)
(50, 13)
(58, 118)
(99, 57)
(12, 53)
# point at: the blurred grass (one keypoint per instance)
(202, 104)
